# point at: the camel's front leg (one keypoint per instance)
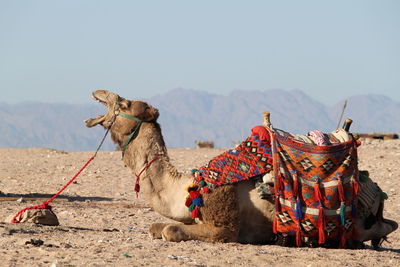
(156, 229)
(202, 232)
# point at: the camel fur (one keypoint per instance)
(231, 213)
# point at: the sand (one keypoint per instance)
(103, 224)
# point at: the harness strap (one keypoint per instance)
(134, 132)
(122, 114)
(137, 186)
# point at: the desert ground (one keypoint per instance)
(103, 224)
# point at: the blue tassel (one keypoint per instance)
(299, 212)
(198, 201)
(342, 213)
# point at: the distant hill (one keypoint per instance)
(189, 115)
(55, 125)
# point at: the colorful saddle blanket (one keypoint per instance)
(251, 158)
(315, 186)
(316, 189)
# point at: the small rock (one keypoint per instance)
(110, 230)
(51, 246)
(176, 257)
(35, 242)
(66, 245)
(38, 216)
(172, 257)
(21, 200)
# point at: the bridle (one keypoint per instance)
(135, 130)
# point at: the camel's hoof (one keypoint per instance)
(173, 233)
(153, 236)
(156, 229)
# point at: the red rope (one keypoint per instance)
(45, 205)
(137, 186)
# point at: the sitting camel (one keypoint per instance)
(229, 213)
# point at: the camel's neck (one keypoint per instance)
(161, 184)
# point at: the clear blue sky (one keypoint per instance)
(60, 51)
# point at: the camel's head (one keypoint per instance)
(118, 106)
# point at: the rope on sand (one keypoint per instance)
(45, 205)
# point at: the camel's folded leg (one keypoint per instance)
(203, 232)
(156, 229)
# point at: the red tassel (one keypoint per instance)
(317, 192)
(194, 194)
(281, 182)
(295, 185)
(275, 225)
(277, 204)
(299, 242)
(206, 190)
(358, 143)
(355, 188)
(341, 191)
(277, 184)
(188, 202)
(342, 239)
(321, 226)
(137, 189)
(196, 212)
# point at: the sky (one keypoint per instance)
(61, 51)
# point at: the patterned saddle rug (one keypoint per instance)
(315, 187)
(251, 158)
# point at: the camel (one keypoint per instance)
(204, 144)
(231, 213)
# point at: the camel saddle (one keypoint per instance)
(315, 186)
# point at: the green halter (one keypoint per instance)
(135, 131)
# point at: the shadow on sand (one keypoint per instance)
(40, 196)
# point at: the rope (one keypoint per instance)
(45, 205)
(137, 186)
(102, 141)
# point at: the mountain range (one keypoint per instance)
(189, 115)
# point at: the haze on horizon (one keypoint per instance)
(60, 51)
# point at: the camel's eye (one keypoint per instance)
(125, 104)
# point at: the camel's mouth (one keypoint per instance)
(107, 99)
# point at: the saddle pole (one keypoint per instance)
(267, 119)
(347, 123)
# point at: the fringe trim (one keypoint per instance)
(317, 192)
(321, 226)
(299, 241)
(342, 238)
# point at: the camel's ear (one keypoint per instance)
(125, 104)
(153, 114)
